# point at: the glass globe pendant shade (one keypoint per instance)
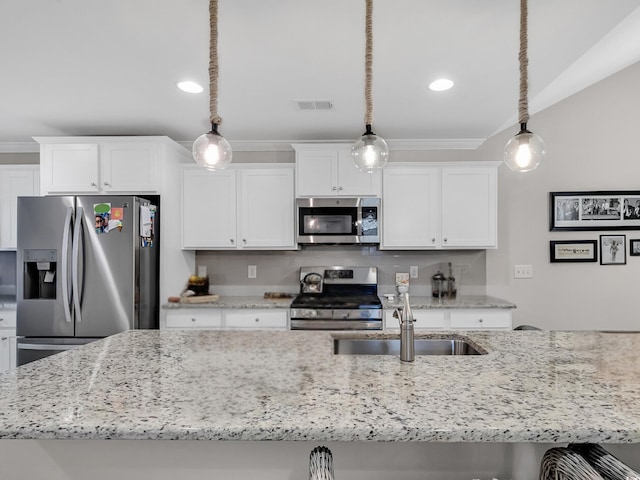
(370, 152)
(525, 151)
(211, 150)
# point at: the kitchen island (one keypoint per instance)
(529, 388)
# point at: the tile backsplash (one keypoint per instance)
(279, 270)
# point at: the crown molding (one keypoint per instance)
(285, 145)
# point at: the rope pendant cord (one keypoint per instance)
(523, 111)
(213, 63)
(368, 96)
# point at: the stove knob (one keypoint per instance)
(311, 314)
(365, 314)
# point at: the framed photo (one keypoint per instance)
(573, 251)
(597, 210)
(634, 247)
(612, 250)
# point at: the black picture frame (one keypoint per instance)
(613, 250)
(573, 251)
(634, 247)
(594, 210)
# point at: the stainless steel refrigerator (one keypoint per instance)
(87, 268)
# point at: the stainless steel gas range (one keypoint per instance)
(337, 298)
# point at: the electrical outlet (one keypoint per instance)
(252, 271)
(413, 271)
(523, 271)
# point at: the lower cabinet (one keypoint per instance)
(8, 340)
(463, 319)
(229, 318)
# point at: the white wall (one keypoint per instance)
(591, 139)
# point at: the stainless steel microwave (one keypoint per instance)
(338, 220)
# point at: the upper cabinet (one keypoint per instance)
(327, 170)
(246, 206)
(103, 165)
(440, 206)
(15, 181)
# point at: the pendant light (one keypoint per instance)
(526, 150)
(211, 150)
(369, 152)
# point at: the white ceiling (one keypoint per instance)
(86, 67)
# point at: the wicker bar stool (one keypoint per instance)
(321, 464)
(560, 463)
(604, 463)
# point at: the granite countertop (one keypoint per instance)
(531, 386)
(462, 301)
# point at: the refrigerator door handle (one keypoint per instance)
(75, 281)
(65, 260)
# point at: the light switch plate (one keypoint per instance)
(252, 271)
(523, 271)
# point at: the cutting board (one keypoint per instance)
(200, 299)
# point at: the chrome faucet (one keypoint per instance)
(405, 316)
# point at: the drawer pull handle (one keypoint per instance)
(257, 320)
(480, 320)
(106, 184)
(193, 319)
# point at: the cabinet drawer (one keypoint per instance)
(7, 318)
(425, 319)
(194, 320)
(256, 319)
(474, 319)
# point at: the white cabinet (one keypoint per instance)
(242, 207)
(8, 340)
(195, 318)
(481, 318)
(327, 170)
(228, 318)
(15, 181)
(455, 318)
(440, 206)
(104, 165)
(255, 319)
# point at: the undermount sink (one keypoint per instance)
(391, 346)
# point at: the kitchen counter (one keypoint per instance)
(229, 385)
(462, 301)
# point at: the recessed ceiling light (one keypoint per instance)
(190, 87)
(441, 85)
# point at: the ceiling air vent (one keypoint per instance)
(314, 104)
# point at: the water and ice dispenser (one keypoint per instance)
(39, 274)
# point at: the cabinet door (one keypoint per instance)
(208, 209)
(69, 168)
(354, 183)
(267, 208)
(8, 354)
(256, 319)
(14, 183)
(128, 167)
(316, 173)
(410, 207)
(469, 207)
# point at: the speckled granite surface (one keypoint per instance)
(229, 385)
(8, 301)
(463, 301)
